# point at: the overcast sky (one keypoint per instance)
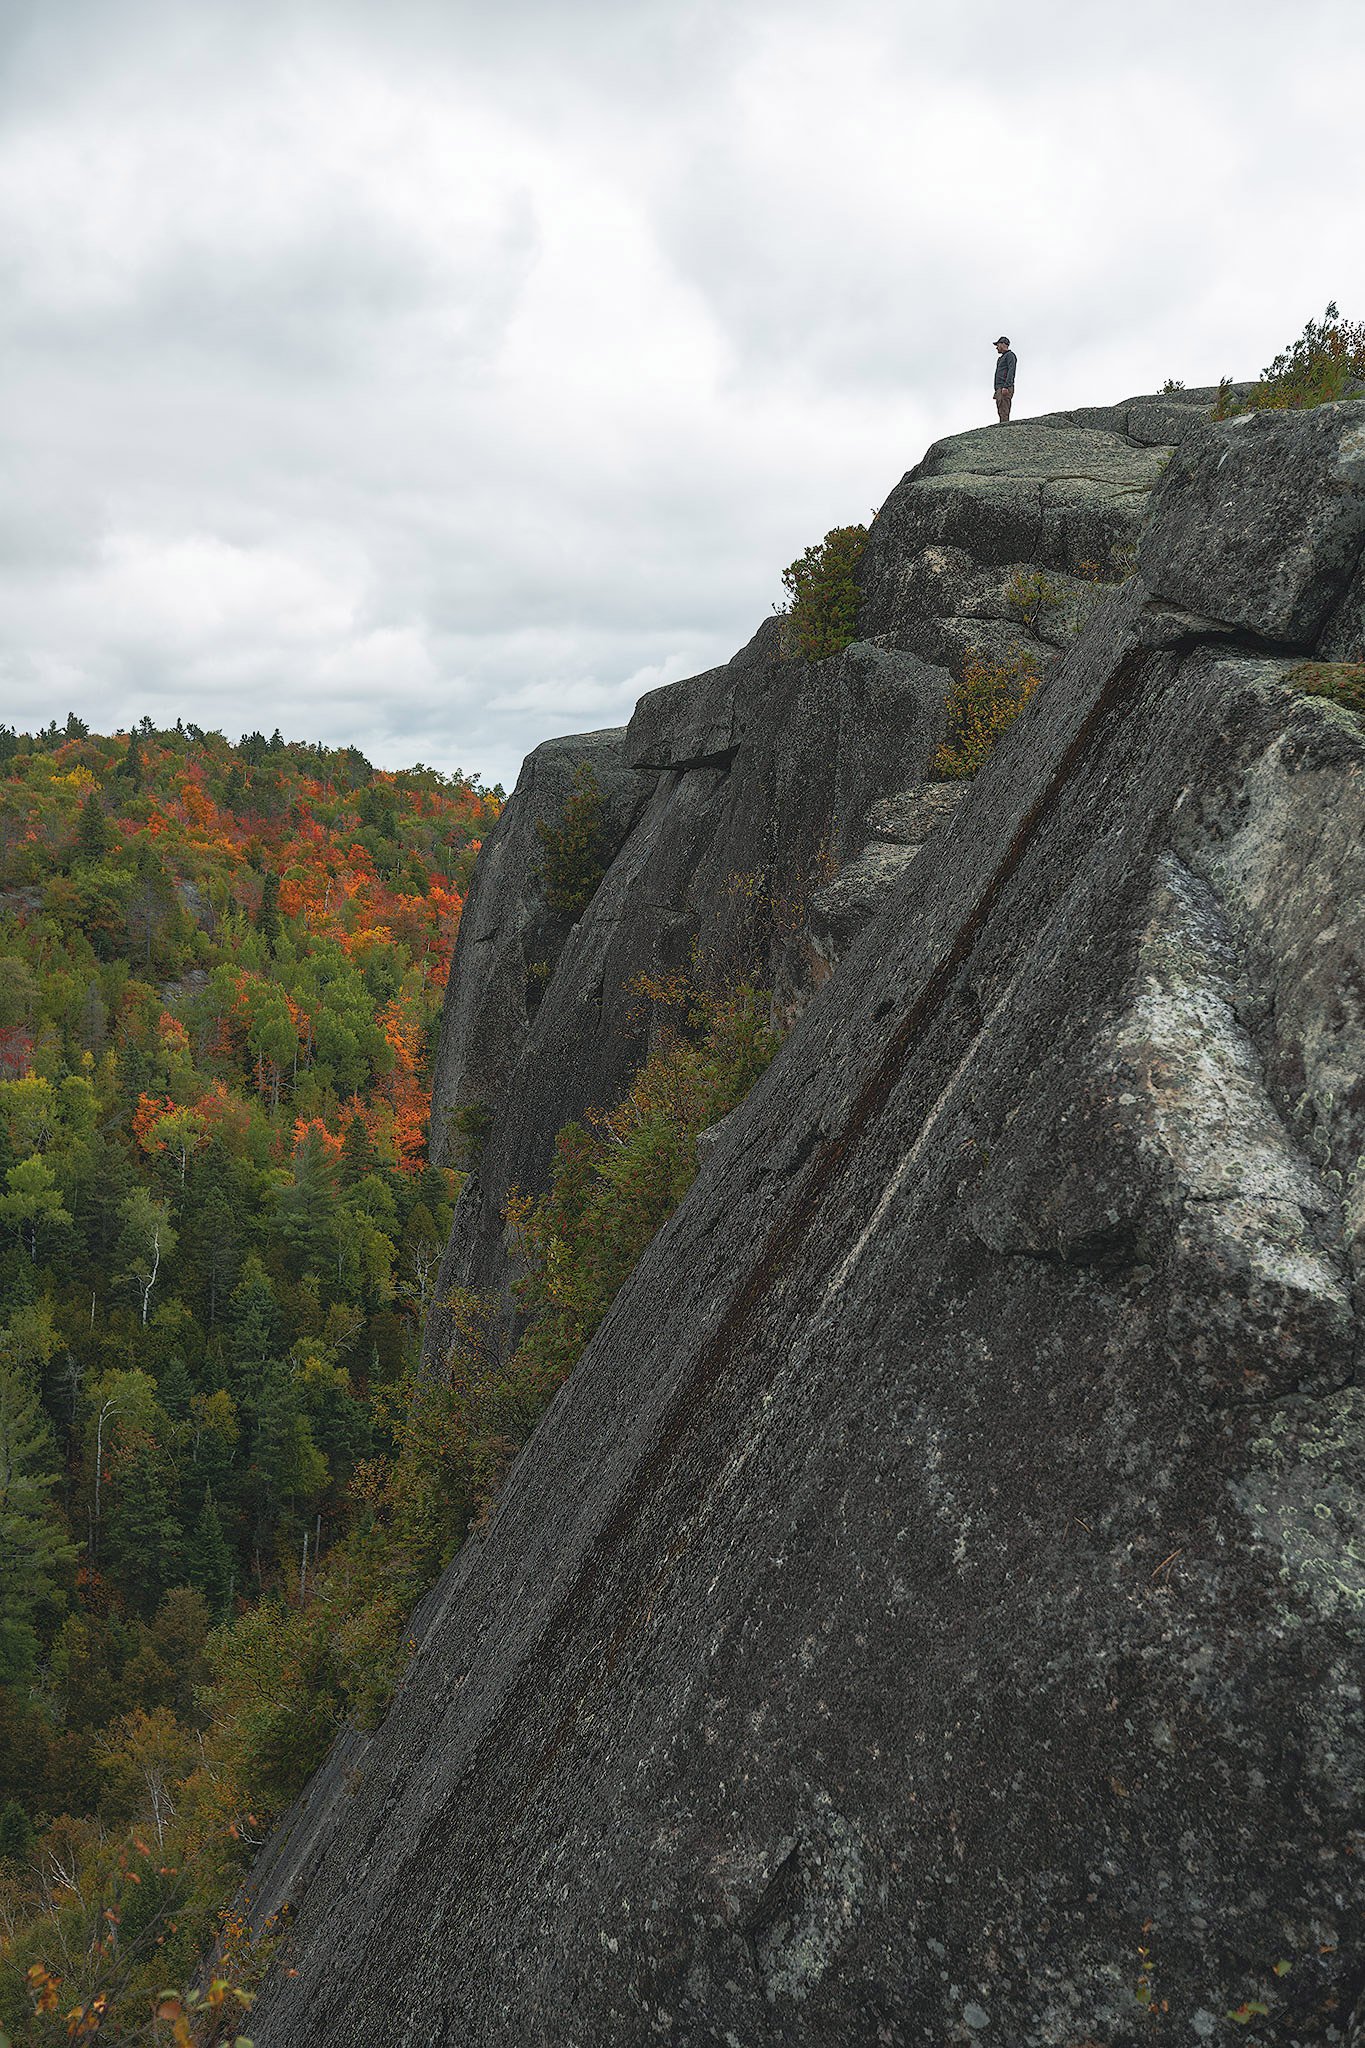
(438, 377)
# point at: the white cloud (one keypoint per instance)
(435, 377)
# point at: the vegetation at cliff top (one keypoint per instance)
(822, 593)
(1326, 363)
(981, 705)
(220, 971)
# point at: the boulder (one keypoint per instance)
(900, 826)
(698, 723)
(1260, 521)
(908, 818)
(1047, 496)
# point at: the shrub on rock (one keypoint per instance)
(575, 849)
(821, 616)
(1342, 681)
(1326, 363)
(984, 703)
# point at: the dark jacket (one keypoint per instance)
(1004, 370)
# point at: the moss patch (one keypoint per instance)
(1342, 681)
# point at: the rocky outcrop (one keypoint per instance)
(741, 800)
(931, 1611)
(510, 939)
(714, 879)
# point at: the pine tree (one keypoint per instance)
(209, 1565)
(92, 830)
(358, 1156)
(103, 1192)
(17, 1834)
(211, 1234)
(141, 1544)
(304, 1209)
(256, 1323)
(290, 1471)
(173, 1388)
(34, 1552)
(268, 915)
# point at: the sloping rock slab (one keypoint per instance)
(931, 1612)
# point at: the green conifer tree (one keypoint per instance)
(268, 914)
(304, 1209)
(17, 1834)
(234, 791)
(92, 830)
(34, 1551)
(209, 1564)
(358, 1156)
(141, 1543)
(173, 1388)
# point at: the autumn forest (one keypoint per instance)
(221, 968)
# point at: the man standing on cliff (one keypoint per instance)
(1004, 378)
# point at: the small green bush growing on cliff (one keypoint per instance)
(822, 611)
(1327, 362)
(469, 1124)
(574, 854)
(983, 704)
(1031, 597)
(1341, 681)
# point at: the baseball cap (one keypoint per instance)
(1002, 341)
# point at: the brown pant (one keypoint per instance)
(1004, 398)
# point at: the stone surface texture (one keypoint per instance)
(507, 932)
(932, 1611)
(741, 797)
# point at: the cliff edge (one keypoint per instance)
(754, 816)
(931, 1611)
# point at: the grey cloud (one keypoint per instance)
(438, 376)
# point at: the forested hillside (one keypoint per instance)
(220, 970)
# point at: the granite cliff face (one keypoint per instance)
(931, 1612)
(758, 814)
